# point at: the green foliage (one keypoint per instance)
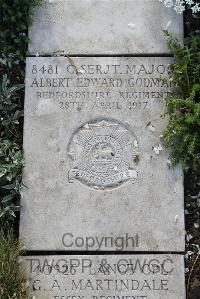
(182, 134)
(12, 281)
(15, 17)
(11, 155)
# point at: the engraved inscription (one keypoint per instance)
(103, 152)
(105, 277)
(100, 86)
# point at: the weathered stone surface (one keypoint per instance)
(103, 27)
(106, 277)
(95, 166)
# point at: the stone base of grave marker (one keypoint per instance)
(102, 27)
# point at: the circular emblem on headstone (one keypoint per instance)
(103, 154)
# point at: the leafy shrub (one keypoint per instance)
(12, 281)
(15, 17)
(182, 134)
(11, 155)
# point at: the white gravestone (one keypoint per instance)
(97, 175)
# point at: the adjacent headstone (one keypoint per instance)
(102, 27)
(105, 277)
(95, 164)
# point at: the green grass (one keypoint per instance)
(12, 281)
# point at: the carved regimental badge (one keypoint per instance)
(103, 153)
